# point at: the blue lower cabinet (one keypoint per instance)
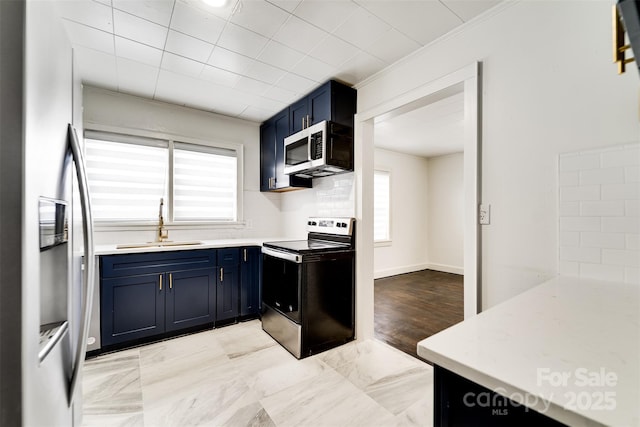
(150, 294)
(250, 283)
(190, 298)
(132, 308)
(227, 293)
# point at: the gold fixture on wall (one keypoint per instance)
(619, 47)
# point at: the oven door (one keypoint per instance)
(281, 282)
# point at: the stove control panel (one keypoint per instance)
(340, 225)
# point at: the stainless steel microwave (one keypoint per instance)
(323, 149)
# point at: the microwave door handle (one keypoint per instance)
(89, 263)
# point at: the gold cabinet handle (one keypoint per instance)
(170, 281)
(221, 274)
(161, 282)
(244, 251)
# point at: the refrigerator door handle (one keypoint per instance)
(88, 273)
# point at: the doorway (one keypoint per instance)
(467, 80)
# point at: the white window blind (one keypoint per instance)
(205, 183)
(127, 175)
(381, 206)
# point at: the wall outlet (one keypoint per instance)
(484, 214)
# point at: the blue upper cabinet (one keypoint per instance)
(272, 135)
(331, 101)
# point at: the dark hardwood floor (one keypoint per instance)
(411, 307)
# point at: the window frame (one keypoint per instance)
(135, 225)
(388, 241)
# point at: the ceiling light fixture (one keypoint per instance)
(215, 3)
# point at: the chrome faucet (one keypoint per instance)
(163, 234)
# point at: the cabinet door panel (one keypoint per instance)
(267, 156)
(282, 131)
(250, 270)
(132, 308)
(319, 102)
(227, 293)
(298, 115)
(190, 298)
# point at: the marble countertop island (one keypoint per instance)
(568, 348)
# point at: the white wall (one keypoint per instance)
(548, 87)
(408, 249)
(427, 197)
(445, 213)
(123, 113)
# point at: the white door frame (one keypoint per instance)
(470, 78)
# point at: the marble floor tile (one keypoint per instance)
(239, 376)
(325, 400)
(367, 362)
(243, 338)
(111, 384)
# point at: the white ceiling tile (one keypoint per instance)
(128, 49)
(260, 16)
(333, 51)
(97, 68)
(188, 46)
(313, 69)
(228, 60)
(256, 114)
(264, 72)
(158, 11)
(361, 27)
(326, 14)
(295, 83)
(288, 5)
(392, 46)
(181, 65)
(136, 78)
(92, 38)
(279, 55)
(219, 76)
(283, 95)
(196, 22)
(268, 104)
(253, 86)
(96, 15)
(410, 17)
(360, 67)
(138, 29)
(299, 34)
(241, 40)
(221, 12)
(105, 2)
(467, 9)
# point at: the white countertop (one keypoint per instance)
(570, 346)
(206, 244)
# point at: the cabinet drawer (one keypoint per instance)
(228, 257)
(161, 262)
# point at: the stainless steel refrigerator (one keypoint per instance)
(46, 249)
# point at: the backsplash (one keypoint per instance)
(599, 211)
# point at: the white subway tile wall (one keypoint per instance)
(599, 210)
(335, 196)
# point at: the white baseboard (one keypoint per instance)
(446, 268)
(417, 267)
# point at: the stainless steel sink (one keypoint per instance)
(165, 244)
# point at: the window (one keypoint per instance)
(381, 206)
(129, 174)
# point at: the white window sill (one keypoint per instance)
(381, 243)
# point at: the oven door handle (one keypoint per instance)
(282, 255)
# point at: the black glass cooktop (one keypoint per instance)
(307, 246)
